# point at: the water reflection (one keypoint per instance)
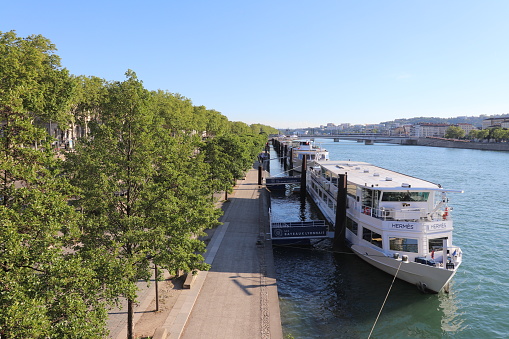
(337, 295)
(325, 294)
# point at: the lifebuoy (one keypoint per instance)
(446, 213)
(367, 210)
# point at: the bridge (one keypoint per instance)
(368, 138)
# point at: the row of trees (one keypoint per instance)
(496, 133)
(77, 234)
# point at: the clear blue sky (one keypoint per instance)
(290, 63)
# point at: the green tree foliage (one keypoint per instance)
(177, 110)
(499, 134)
(113, 170)
(86, 103)
(211, 121)
(478, 134)
(473, 134)
(454, 132)
(46, 289)
(239, 128)
(484, 134)
(222, 167)
(141, 179)
(31, 79)
(143, 187)
(229, 156)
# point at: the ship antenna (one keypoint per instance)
(389, 291)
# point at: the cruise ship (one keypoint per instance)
(400, 224)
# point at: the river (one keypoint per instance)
(337, 295)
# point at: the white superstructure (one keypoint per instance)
(398, 223)
(309, 150)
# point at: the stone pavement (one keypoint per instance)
(237, 297)
(117, 318)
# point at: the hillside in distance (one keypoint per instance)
(476, 121)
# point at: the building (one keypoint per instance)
(401, 131)
(467, 127)
(495, 122)
(425, 130)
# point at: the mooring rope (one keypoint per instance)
(389, 291)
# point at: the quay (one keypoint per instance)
(237, 297)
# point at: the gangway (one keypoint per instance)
(316, 229)
(270, 181)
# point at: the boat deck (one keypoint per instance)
(368, 175)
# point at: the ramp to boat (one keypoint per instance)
(316, 229)
(282, 180)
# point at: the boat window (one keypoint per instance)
(372, 237)
(351, 189)
(436, 244)
(330, 203)
(352, 225)
(405, 196)
(367, 197)
(403, 245)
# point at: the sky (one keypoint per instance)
(289, 64)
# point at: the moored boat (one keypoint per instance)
(309, 150)
(397, 223)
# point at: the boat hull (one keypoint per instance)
(425, 277)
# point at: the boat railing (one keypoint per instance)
(404, 214)
(451, 259)
(387, 213)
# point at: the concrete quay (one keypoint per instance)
(237, 297)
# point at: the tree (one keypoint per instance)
(32, 80)
(229, 156)
(46, 289)
(90, 93)
(473, 134)
(239, 128)
(222, 169)
(141, 196)
(483, 134)
(454, 132)
(498, 134)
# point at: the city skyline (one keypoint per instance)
(290, 64)
(478, 118)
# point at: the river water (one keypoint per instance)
(337, 295)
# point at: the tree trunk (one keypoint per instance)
(130, 316)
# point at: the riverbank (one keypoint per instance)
(237, 297)
(486, 146)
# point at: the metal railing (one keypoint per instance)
(405, 214)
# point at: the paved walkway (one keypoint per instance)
(237, 297)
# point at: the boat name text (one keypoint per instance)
(438, 226)
(405, 226)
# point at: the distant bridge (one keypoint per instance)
(368, 138)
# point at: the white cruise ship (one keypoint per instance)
(397, 223)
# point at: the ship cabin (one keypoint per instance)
(386, 210)
(309, 150)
